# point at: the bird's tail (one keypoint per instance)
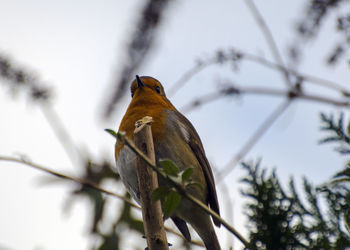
(211, 241)
(207, 233)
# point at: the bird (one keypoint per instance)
(174, 138)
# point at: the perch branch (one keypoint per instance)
(254, 138)
(148, 182)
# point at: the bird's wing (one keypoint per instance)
(182, 226)
(192, 138)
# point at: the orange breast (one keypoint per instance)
(145, 103)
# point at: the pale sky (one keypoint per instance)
(77, 47)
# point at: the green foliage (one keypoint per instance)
(278, 219)
(273, 215)
(336, 132)
(183, 177)
(111, 240)
(169, 197)
(341, 180)
(96, 173)
(111, 132)
(160, 193)
(186, 175)
(169, 167)
(171, 202)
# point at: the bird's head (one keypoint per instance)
(147, 90)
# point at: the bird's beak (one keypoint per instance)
(139, 82)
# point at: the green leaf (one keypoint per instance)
(192, 183)
(111, 132)
(187, 174)
(160, 193)
(172, 201)
(169, 167)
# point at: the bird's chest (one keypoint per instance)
(126, 162)
(126, 166)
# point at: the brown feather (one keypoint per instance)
(195, 144)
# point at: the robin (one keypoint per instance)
(176, 139)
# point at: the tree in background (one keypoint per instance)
(278, 218)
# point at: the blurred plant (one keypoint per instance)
(315, 14)
(279, 219)
(140, 44)
(126, 220)
(97, 174)
(17, 79)
(337, 132)
(341, 180)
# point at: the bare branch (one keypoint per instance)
(66, 177)
(306, 77)
(235, 56)
(229, 208)
(20, 79)
(57, 126)
(269, 38)
(188, 75)
(238, 90)
(147, 183)
(254, 138)
(140, 44)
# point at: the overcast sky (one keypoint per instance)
(77, 47)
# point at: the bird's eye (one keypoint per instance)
(158, 89)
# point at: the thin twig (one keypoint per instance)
(296, 95)
(19, 78)
(193, 242)
(57, 126)
(122, 138)
(188, 74)
(269, 38)
(202, 100)
(306, 77)
(229, 208)
(238, 90)
(66, 177)
(254, 138)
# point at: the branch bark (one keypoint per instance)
(148, 182)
